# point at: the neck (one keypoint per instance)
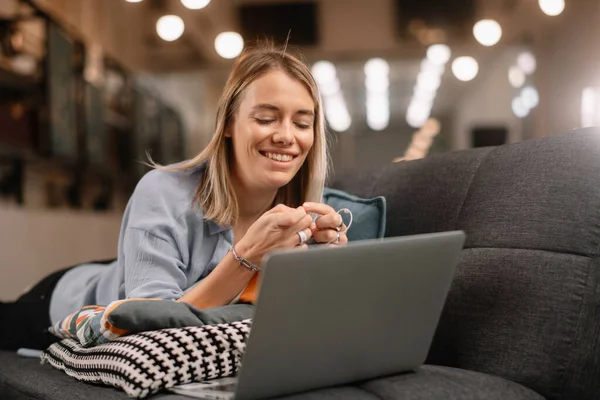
(253, 203)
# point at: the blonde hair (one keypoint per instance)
(215, 194)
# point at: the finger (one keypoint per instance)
(318, 208)
(343, 239)
(304, 223)
(295, 238)
(302, 246)
(289, 218)
(279, 208)
(329, 221)
(326, 235)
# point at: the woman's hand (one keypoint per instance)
(329, 226)
(276, 229)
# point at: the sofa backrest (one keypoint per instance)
(525, 302)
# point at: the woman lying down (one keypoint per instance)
(196, 232)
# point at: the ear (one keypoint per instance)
(227, 134)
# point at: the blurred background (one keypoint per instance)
(87, 87)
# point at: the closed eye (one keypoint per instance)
(264, 121)
(303, 126)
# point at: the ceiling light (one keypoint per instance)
(552, 7)
(377, 124)
(424, 96)
(487, 32)
(329, 88)
(378, 112)
(229, 44)
(377, 66)
(133, 1)
(519, 108)
(530, 97)
(323, 72)
(425, 90)
(428, 82)
(195, 4)
(377, 83)
(340, 122)
(526, 61)
(334, 106)
(337, 113)
(465, 68)
(418, 114)
(378, 103)
(516, 77)
(170, 27)
(439, 54)
(414, 120)
(430, 67)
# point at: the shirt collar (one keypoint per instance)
(214, 229)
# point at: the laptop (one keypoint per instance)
(330, 316)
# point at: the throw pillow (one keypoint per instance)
(94, 325)
(145, 363)
(368, 215)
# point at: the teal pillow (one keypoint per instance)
(368, 215)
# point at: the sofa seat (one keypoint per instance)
(25, 378)
(436, 382)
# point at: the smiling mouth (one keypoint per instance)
(278, 156)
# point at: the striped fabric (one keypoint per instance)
(145, 363)
(90, 326)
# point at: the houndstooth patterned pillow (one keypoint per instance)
(145, 363)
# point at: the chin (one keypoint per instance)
(278, 180)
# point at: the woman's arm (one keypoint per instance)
(223, 284)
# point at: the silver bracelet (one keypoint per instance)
(244, 262)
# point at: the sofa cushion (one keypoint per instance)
(368, 215)
(444, 383)
(422, 196)
(521, 318)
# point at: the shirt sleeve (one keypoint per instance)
(153, 266)
(154, 237)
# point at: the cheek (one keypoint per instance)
(306, 141)
(256, 134)
(246, 137)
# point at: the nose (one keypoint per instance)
(284, 134)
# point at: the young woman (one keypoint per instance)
(196, 231)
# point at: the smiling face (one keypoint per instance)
(272, 132)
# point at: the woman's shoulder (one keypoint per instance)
(172, 178)
(174, 189)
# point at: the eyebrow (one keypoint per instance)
(271, 107)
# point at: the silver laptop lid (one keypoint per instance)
(334, 315)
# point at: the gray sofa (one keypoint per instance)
(522, 319)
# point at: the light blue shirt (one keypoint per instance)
(165, 247)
